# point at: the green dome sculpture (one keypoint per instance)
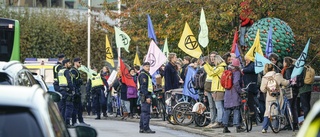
(282, 36)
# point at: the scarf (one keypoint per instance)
(284, 70)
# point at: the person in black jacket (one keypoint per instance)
(146, 88)
(171, 76)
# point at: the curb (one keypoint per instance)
(158, 122)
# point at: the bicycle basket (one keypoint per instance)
(287, 91)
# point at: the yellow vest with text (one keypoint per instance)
(62, 79)
(96, 80)
(150, 86)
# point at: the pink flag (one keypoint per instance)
(155, 57)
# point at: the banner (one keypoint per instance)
(269, 45)
(122, 39)
(136, 60)
(112, 77)
(260, 62)
(188, 43)
(155, 57)
(165, 48)
(203, 34)
(109, 53)
(126, 77)
(234, 43)
(188, 89)
(301, 61)
(151, 33)
(255, 48)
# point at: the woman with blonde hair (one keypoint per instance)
(217, 91)
(270, 72)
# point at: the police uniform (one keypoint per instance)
(97, 88)
(146, 88)
(67, 91)
(56, 69)
(77, 104)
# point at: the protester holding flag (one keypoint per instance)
(132, 94)
(232, 98)
(105, 72)
(171, 77)
(274, 58)
(288, 67)
(186, 62)
(249, 75)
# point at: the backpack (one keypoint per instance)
(309, 75)
(272, 85)
(226, 79)
(199, 79)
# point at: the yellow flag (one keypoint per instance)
(256, 47)
(136, 60)
(109, 54)
(188, 43)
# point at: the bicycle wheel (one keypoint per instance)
(289, 116)
(243, 118)
(274, 119)
(201, 120)
(182, 113)
(171, 120)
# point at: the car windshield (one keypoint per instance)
(18, 122)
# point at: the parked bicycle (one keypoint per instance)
(159, 108)
(201, 111)
(278, 115)
(116, 104)
(244, 109)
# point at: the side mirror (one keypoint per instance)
(56, 96)
(85, 131)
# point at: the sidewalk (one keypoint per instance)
(256, 130)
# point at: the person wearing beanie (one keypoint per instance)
(67, 90)
(232, 98)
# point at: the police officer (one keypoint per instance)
(56, 69)
(77, 82)
(67, 91)
(97, 92)
(146, 88)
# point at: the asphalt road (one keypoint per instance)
(114, 127)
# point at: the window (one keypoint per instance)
(5, 79)
(18, 122)
(57, 121)
(48, 75)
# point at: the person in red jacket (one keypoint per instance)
(246, 22)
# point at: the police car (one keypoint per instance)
(42, 67)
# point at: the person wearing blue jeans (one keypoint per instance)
(232, 98)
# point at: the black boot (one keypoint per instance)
(240, 129)
(226, 130)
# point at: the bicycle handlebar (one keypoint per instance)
(248, 86)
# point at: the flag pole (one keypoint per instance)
(89, 24)
(119, 12)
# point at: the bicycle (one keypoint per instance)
(278, 116)
(244, 109)
(159, 108)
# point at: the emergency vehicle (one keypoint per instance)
(43, 67)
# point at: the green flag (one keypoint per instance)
(203, 38)
(122, 39)
(165, 48)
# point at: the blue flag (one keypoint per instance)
(238, 55)
(269, 45)
(151, 33)
(260, 62)
(154, 81)
(299, 65)
(188, 89)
